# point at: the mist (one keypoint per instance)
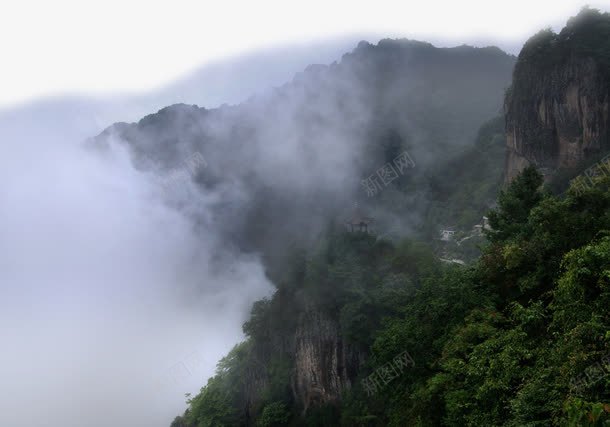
(115, 300)
(104, 289)
(292, 158)
(127, 268)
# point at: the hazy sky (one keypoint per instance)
(117, 45)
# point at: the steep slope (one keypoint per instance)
(558, 110)
(274, 170)
(507, 340)
(518, 338)
(280, 164)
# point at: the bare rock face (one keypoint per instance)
(558, 117)
(324, 364)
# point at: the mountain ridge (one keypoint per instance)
(345, 118)
(505, 340)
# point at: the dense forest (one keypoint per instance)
(366, 330)
(520, 337)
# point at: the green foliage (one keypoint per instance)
(500, 343)
(325, 415)
(219, 403)
(585, 35)
(213, 406)
(278, 370)
(275, 414)
(583, 413)
(518, 338)
(258, 324)
(462, 188)
(514, 206)
(178, 422)
(514, 366)
(541, 49)
(588, 35)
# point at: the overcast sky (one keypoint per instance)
(75, 46)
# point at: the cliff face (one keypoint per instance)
(557, 111)
(557, 119)
(324, 364)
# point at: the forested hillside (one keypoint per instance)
(521, 337)
(366, 330)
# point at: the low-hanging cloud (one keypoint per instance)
(127, 269)
(107, 291)
(117, 293)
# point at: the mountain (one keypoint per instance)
(558, 111)
(280, 165)
(76, 117)
(279, 171)
(366, 331)
(83, 234)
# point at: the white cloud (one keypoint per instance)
(104, 288)
(117, 45)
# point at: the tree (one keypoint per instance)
(275, 414)
(514, 206)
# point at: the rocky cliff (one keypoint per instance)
(557, 111)
(325, 365)
(318, 363)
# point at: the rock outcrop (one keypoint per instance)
(561, 120)
(325, 365)
(557, 111)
